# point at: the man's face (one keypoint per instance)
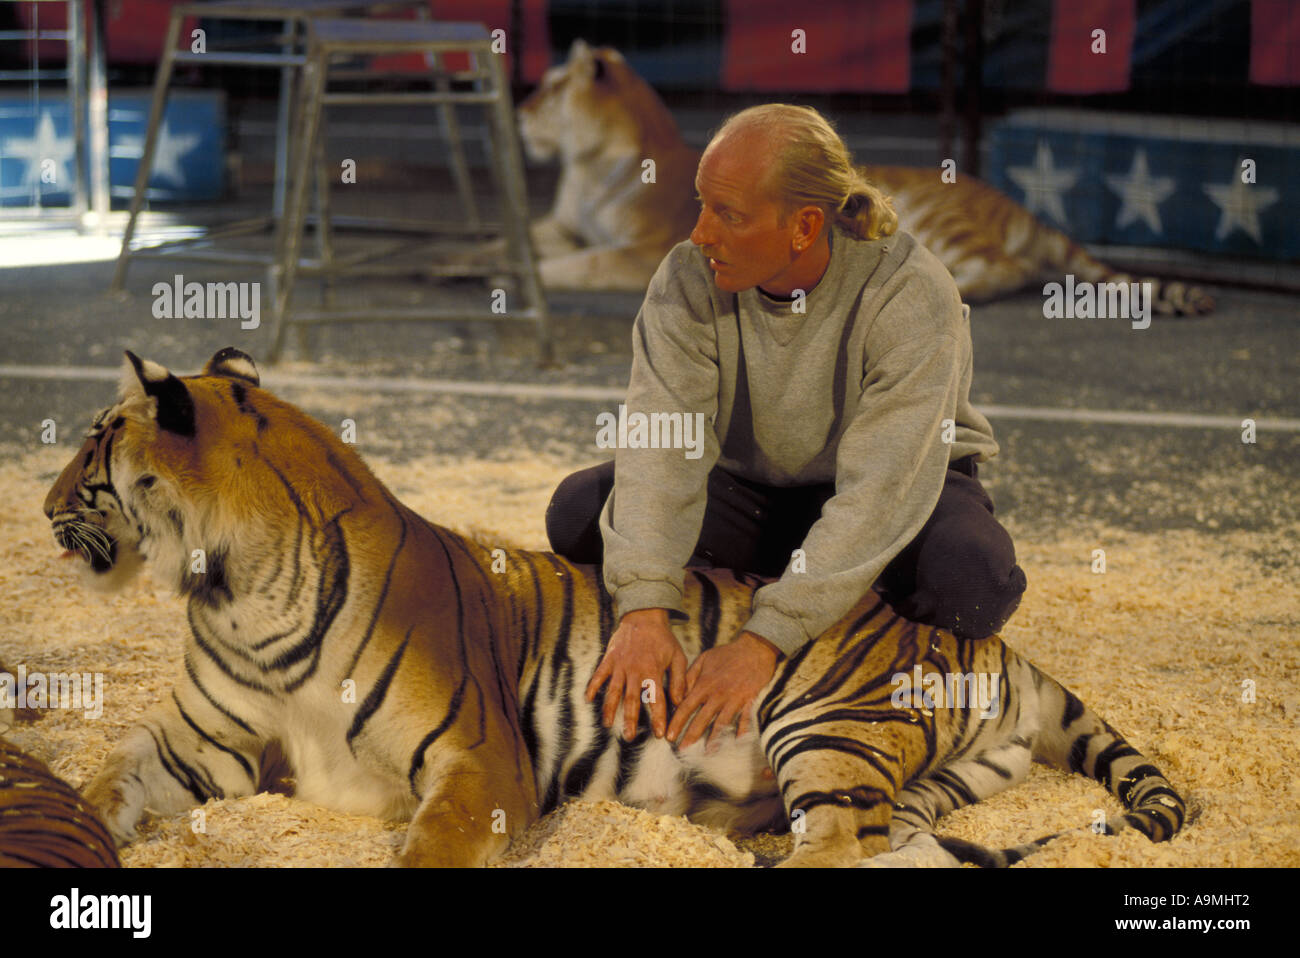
(739, 228)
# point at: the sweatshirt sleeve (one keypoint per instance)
(890, 468)
(652, 518)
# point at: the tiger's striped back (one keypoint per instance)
(869, 776)
(44, 823)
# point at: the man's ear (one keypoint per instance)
(808, 223)
(174, 408)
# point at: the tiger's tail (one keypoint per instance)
(1074, 738)
(1082, 742)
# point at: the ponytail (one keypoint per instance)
(866, 213)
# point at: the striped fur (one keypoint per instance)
(44, 823)
(609, 228)
(993, 246)
(466, 709)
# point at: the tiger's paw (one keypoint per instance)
(120, 822)
(419, 855)
(833, 856)
(1189, 300)
(426, 852)
(911, 856)
(119, 812)
(1173, 298)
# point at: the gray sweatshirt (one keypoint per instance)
(853, 390)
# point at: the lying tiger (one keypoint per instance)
(468, 715)
(609, 228)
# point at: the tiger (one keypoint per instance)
(306, 578)
(44, 823)
(609, 227)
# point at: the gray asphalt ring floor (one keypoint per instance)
(63, 335)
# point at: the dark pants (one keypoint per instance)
(959, 573)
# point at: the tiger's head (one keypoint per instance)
(179, 464)
(594, 101)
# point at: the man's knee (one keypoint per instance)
(984, 606)
(573, 514)
(966, 582)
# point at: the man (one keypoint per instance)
(833, 358)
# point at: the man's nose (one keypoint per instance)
(702, 235)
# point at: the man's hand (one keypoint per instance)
(722, 684)
(642, 647)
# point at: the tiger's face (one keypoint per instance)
(86, 509)
(129, 493)
(557, 118)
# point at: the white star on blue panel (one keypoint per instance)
(167, 153)
(44, 144)
(1141, 194)
(1044, 185)
(1239, 206)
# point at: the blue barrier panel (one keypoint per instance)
(37, 150)
(1155, 180)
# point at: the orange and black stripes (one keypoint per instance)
(472, 676)
(44, 823)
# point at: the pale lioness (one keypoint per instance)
(626, 191)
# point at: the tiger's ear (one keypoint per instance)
(234, 364)
(174, 406)
(586, 60)
(579, 50)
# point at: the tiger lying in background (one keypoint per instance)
(609, 229)
(307, 579)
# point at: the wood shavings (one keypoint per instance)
(610, 835)
(1186, 644)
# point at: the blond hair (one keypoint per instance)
(812, 167)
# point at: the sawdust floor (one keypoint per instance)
(1168, 645)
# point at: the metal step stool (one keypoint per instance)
(485, 85)
(293, 17)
